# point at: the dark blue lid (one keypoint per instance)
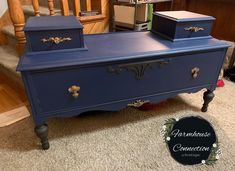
(183, 16)
(52, 23)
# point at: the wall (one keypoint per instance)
(3, 7)
(222, 10)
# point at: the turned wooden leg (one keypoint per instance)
(207, 97)
(42, 132)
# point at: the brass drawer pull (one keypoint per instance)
(194, 29)
(138, 103)
(56, 40)
(195, 72)
(74, 90)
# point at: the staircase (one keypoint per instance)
(13, 44)
(9, 56)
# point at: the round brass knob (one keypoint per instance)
(74, 90)
(195, 72)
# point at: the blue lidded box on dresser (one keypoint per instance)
(179, 25)
(53, 33)
(116, 70)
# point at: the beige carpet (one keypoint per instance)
(125, 140)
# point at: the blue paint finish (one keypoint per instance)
(118, 47)
(113, 87)
(49, 96)
(117, 69)
(182, 33)
(47, 86)
(35, 43)
(38, 120)
(118, 105)
(39, 28)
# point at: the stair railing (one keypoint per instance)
(89, 5)
(18, 20)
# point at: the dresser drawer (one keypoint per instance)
(193, 29)
(85, 87)
(54, 40)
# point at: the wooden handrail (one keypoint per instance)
(90, 19)
(18, 20)
(35, 4)
(77, 10)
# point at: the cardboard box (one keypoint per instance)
(126, 14)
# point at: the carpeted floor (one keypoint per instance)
(125, 140)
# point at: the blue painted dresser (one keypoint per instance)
(117, 70)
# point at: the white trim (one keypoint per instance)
(3, 7)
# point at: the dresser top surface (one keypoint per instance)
(116, 47)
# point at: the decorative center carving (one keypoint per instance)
(138, 68)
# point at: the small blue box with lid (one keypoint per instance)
(54, 33)
(181, 25)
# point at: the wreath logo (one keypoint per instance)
(191, 140)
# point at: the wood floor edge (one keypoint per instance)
(12, 116)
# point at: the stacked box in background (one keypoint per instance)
(124, 16)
